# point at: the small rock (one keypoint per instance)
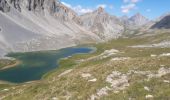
(65, 72)
(86, 75)
(116, 92)
(146, 88)
(148, 96)
(162, 65)
(120, 58)
(166, 81)
(54, 98)
(165, 54)
(6, 89)
(153, 55)
(93, 80)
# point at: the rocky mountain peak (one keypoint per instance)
(138, 17)
(100, 10)
(138, 20)
(103, 24)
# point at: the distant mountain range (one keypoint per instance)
(33, 25)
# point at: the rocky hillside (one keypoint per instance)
(31, 25)
(164, 23)
(136, 21)
(103, 24)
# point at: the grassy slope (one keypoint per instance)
(74, 87)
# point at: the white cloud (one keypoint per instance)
(102, 5)
(135, 1)
(128, 8)
(131, 1)
(79, 9)
(126, 1)
(66, 4)
(129, 5)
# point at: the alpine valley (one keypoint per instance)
(48, 51)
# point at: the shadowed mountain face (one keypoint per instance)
(164, 23)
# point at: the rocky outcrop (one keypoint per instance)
(103, 24)
(4, 7)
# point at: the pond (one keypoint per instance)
(35, 64)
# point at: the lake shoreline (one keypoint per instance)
(17, 62)
(41, 57)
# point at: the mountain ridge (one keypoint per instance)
(43, 24)
(49, 22)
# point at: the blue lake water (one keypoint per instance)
(35, 64)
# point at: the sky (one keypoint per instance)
(149, 8)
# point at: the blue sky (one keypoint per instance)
(149, 8)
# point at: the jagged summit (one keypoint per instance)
(100, 10)
(135, 21)
(102, 24)
(138, 19)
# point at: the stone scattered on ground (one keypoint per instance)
(86, 75)
(166, 81)
(146, 88)
(5, 89)
(165, 54)
(108, 53)
(149, 96)
(65, 72)
(92, 80)
(118, 82)
(161, 72)
(54, 98)
(153, 55)
(120, 58)
(163, 44)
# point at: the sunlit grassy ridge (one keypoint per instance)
(67, 83)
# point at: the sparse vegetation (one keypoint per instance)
(72, 86)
